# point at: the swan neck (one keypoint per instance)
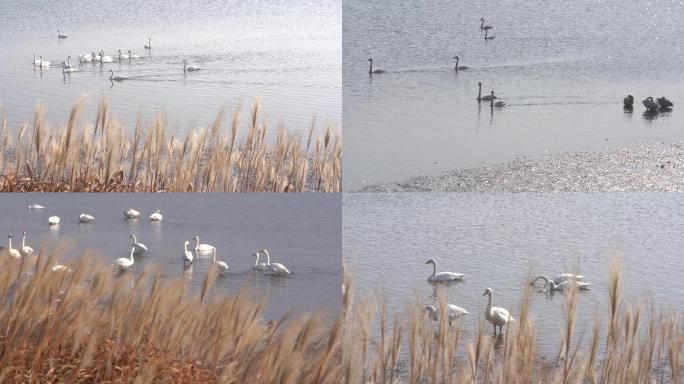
(23, 240)
(10, 243)
(256, 263)
(268, 258)
(133, 239)
(434, 268)
(489, 301)
(132, 252)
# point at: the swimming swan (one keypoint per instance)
(488, 37)
(479, 94)
(484, 27)
(628, 101)
(371, 71)
(442, 276)
(86, 218)
(650, 104)
(61, 36)
(562, 285)
(40, 63)
(190, 68)
(25, 250)
(202, 248)
(12, 251)
(453, 311)
(131, 213)
(132, 56)
(260, 266)
(69, 70)
(137, 247)
(222, 266)
(664, 102)
(187, 255)
(149, 44)
(496, 315)
(124, 56)
(53, 220)
(499, 103)
(275, 269)
(117, 77)
(105, 59)
(461, 67)
(36, 206)
(156, 216)
(125, 262)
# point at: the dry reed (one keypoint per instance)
(93, 325)
(104, 156)
(638, 347)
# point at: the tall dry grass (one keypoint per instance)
(93, 325)
(105, 156)
(627, 344)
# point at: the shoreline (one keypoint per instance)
(646, 167)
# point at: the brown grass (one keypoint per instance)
(638, 347)
(105, 156)
(93, 325)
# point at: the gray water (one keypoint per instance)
(285, 52)
(562, 68)
(496, 239)
(301, 231)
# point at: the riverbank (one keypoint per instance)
(655, 167)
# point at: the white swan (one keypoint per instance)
(202, 248)
(67, 63)
(561, 286)
(156, 216)
(259, 266)
(36, 206)
(275, 269)
(187, 255)
(132, 56)
(53, 220)
(117, 77)
(453, 311)
(479, 93)
(370, 69)
(484, 27)
(125, 262)
(60, 35)
(86, 58)
(442, 277)
(124, 56)
(222, 266)
(190, 68)
(499, 103)
(139, 248)
(12, 251)
(40, 63)
(85, 218)
(457, 67)
(69, 70)
(496, 315)
(60, 268)
(149, 43)
(131, 213)
(105, 59)
(25, 250)
(560, 278)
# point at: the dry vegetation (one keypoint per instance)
(102, 156)
(92, 325)
(626, 345)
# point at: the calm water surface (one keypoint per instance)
(301, 231)
(562, 69)
(497, 238)
(286, 52)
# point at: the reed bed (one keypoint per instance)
(105, 156)
(627, 344)
(94, 325)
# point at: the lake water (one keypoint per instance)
(497, 238)
(301, 231)
(286, 52)
(563, 70)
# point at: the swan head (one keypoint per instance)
(371, 60)
(431, 261)
(481, 19)
(430, 308)
(488, 291)
(456, 57)
(23, 234)
(187, 242)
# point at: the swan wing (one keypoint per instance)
(501, 315)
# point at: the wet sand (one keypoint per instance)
(655, 167)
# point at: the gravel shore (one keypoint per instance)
(652, 167)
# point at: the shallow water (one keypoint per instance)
(301, 231)
(563, 69)
(496, 239)
(285, 52)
